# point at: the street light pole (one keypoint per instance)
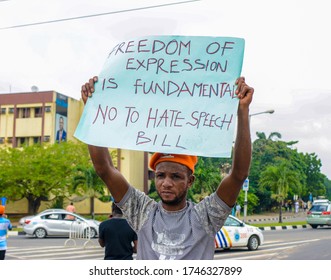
(245, 187)
(264, 112)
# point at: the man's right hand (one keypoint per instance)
(88, 88)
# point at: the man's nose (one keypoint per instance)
(167, 182)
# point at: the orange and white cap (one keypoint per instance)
(187, 160)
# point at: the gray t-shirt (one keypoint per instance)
(186, 234)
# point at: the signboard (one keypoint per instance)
(171, 94)
(246, 185)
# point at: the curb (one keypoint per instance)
(271, 219)
(284, 227)
(15, 233)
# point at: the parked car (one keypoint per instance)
(236, 233)
(321, 201)
(319, 215)
(60, 223)
(21, 222)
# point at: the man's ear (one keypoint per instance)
(191, 180)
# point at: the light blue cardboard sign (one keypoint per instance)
(171, 94)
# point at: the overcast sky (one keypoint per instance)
(287, 53)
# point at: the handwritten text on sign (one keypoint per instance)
(172, 94)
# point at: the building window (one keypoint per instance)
(23, 113)
(47, 109)
(38, 112)
(11, 110)
(36, 140)
(22, 141)
(3, 111)
(2, 140)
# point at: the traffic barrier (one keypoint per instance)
(79, 230)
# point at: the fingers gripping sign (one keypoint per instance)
(88, 88)
(244, 92)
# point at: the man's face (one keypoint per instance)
(172, 182)
(61, 124)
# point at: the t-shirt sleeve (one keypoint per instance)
(212, 212)
(136, 207)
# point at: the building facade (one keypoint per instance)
(37, 117)
(50, 117)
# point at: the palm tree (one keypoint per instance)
(272, 135)
(87, 182)
(279, 178)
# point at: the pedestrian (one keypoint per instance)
(286, 206)
(176, 228)
(238, 208)
(71, 208)
(117, 237)
(5, 225)
(296, 207)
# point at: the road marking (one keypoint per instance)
(288, 243)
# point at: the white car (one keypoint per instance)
(60, 223)
(236, 233)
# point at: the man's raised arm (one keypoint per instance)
(103, 164)
(230, 186)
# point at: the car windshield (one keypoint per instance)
(319, 208)
(232, 222)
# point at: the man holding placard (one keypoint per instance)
(176, 96)
(176, 228)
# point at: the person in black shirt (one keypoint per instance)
(117, 237)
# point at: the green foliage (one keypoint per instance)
(252, 199)
(57, 203)
(207, 178)
(270, 153)
(87, 182)
(40, 172)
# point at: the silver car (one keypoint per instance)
(319, 215)
(23, 219)
(60, 223)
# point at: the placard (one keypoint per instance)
(171, 94)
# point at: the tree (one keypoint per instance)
(315, 180)
(279, 178)
(268, 151)
(40, 172)
(207, 178)
(86, 181)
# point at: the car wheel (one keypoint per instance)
(90, 233)
(40, 233)
(253, 243)
(314, 226)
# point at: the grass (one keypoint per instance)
(274, 224)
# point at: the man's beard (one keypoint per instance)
(177, 200)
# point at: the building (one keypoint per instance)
(48, 116)
(37, 117)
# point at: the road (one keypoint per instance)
(295, 244)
